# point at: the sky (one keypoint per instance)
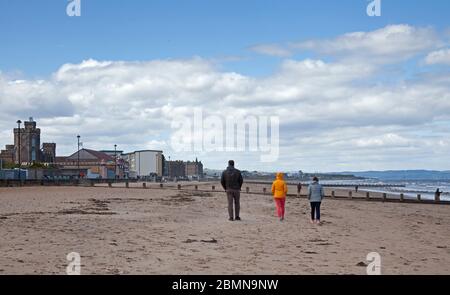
(351, 92)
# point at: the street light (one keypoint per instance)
(168, 169)
(115, 161)
(18, 142)
(78, 155)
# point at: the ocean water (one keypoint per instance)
(410, 189)
(425, 188)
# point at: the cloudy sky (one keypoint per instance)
(352, 92)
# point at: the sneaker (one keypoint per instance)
(238, 218)
(282, 219)
(230, 219)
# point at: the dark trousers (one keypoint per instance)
(315, 210)
(233, 198)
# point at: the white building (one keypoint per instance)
(144, 163)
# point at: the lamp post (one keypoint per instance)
(19, 150)
(168, 169)
(115, 161)
(78, 156)
(18, 143)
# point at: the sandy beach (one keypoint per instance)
(166, 231)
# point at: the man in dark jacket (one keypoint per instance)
(232, 182)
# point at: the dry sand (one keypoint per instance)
(154, 231)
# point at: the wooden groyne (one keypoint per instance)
(340, 194)
(266, 191)
(361, 185)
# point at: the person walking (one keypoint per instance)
(299, 189)
(315, 196)
(232, 181)
(437, 195)
(279, 191)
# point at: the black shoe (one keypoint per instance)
(238, 218)
(231, 219)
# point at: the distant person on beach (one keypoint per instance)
(437, 195)
(299, 188)
(279, 191)
(356, 188)
(232, 182)
(315, 196)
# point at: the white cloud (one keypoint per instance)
(438, 57)
(389, 139)
(391, 43)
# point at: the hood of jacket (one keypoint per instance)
(280, 176)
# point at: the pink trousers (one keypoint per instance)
(279, 203)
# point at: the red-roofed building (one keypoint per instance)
(92, 164)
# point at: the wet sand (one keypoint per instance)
(166, 231)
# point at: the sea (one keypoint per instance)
(410, 188)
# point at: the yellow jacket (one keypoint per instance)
(279, 187)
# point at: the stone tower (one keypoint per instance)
(30, 142)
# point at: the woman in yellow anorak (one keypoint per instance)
(279, 191)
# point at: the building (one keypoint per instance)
(112, 153)
(175, 169)
(194, 169)
(92, 164)
(7, 155)
(27, 144)
(181, 169)
(144, 164)
(48, 152)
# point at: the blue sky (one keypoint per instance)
(38, 36)
(352, 92)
